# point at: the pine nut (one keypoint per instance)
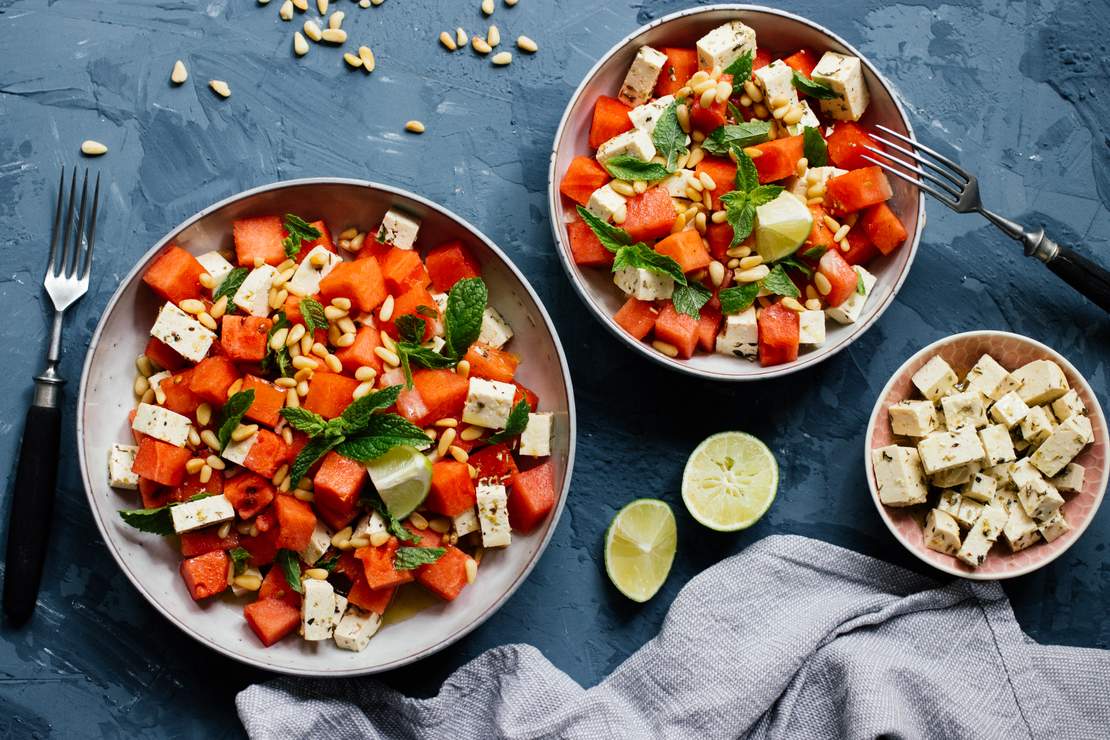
(716, 273)
(335, 20)
(417, 520)
(493, 36)
(312, 30)
(193, 466)
(305, 363)
(205, 474)
(778, 113)
(220, 87)
(460, 37)
(302, 388)
(316, 574)
(753, 152)
(191, 305)
(209, 438)
(620, 215)
(362, 390)
(243, 431)
(801, 167)
(334, 364)
(740, 251)
(388, 357)
(745, 101)
(719, 217)
(708, 97)
(224, 530)
(749, 262)
(334, 35)
(193, 438)
(215, 462)
(92, 148)
(448, 422)
(343, 304)
(319, 350)
(302, 376)
(141, 386)
(147, 397)
(679, 223)
(479, 45)
(707, 181)
(144, 366)
(471, 570)
(355, 63)
(357, 542)
(815, 201)
(487, 7)
(379, 538)
(526, 45)
(698, 77)
(754, 274)
(341, 536)
(281, 474)
(822, 283)
(793, 115)
(414, 127)
(703, 86)
(446, 440)
(471, 433)
(292, 400)
(179, 73)
(301, 5)
(286, 10)
(294, 334)
(458, 453)
(206, 320)
(365, 373)
(841, 233)
(219, 308)
(707, 200)
(668, 349)
(235, 387)
(345, 340)
(792, 304)
(639, 186)
(502, 58)
(204, 414)
(623, 187)
(683, 114)
(831, 223)
(845, 245)
(302, 495)
(511, 3)
(247, 582)
(752, 91)
(813, 304)
(759, 110)
(699, 222)
(724, 91)
(463, 368)
(447, 41)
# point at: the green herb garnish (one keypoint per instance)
(815, 149)
(157, 520)
(740, 204)
(232, 415)
(625, 167)
(779, 283)
(741, 68)
(813, 88)
(313, 313)
(689, 298)
(668, 136)
(299, 231)
(514, 426)
(290, 564)
(230, 286)
(408, 558)
(738, 298)
(724, 138)
(239, 559)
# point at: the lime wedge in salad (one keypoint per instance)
(639, 548)
(403, 477)
(730, 481)
(781, 226)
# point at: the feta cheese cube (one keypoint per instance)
(942, 533)
(964, 410)
(318, 543)
(1036, 426)
(777, 81)
(236, 452)
(844, 74)
(161, 423)
(639, 82)
(676, 184)
(811, 328)
(1020, 531)
(488, 403)
(356, 628)
(946, 450)
(956, 476)
(644, 284)
(1070, 479)
(808, 120)
(913, 418)
(398, 229)
(535, 441)
(184, 334)
(1061, 447)
(495, 332)
(493, 515)
(935, 379)
(1068, 405)
(368, 526)
(981, 487)
(1022, 473)
(983, 535)
(849, 311)
(1055, 526)
(964, 510)
(216, 266)
(635, 143)
(155, 382)
(306, 280)
(1009, 410)
(898, 476)
(724, 45)
(317, 610)
(990, 379)
(1039, 499)
(739, 335)
(121, 458)
(253, 295)
(1042, 381)
(646, 116)
(997, 445)
(604, 202)
(203, 512)
(466, 522)
(340, 610)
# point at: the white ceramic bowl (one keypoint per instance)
(152, 564)
(961, 352)
(781, 32)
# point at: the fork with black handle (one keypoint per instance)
(958, 189)
(67, 279)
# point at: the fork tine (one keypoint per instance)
(66, 226)
(91, 229)
(79, 235)
(931, 152)
(57, 222)
(916, 183)
(955, 179)
(917, 171)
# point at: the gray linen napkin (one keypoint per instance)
(792, 638)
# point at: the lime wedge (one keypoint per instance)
(730, 480)
(403, 477)
(781, 226)
(639, 548)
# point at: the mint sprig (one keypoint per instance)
(290, 564)
(299, 231)
(462, 321)
(313, 313)
(625, 167)
(668, 136)
(157, 520)
(741, 68)
(239, 559)
(232, 414)
(230, 286)
(516, 423)
(738, 298)
(812, 88)
(740, 204)
(690, 298)
(724, 138)
(815, 150)
(779, 283)
(408, 558)
(276, 360)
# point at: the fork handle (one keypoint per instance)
(32, 504)
(1081, 273)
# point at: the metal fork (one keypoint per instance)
(958, 189)
(67, 279)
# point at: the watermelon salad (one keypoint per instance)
(729, 196)
(319, 424)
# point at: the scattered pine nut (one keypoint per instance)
(301, 5)
(487, 7)
(460, 37)
(312, 30)
(364, 4)
(352, 60)
(334, 35)
(511, 3)
(668, 349)
(479, 45)
(220, 87)
(471, 564)
(286, 10)
(414, 127)
(179, 73)
(93, 148)
(335, 20)
(447, 41)
(322, 6)
(493, 36)
(526, 45)
(368, 64)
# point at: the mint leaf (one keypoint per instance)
(239, 558)
(357, 416)
(815, 149)
(740, 214)
(625, 167)
(382, 434)
(316, 448)
(230, 286)
(411, 353)
(812, 88)
(689, 298)
(738, 298)
(747, 176)
(668, 136)
(304, 420)
(313, 313)
(290, 564)
(411, 328)
(155, 521)
(276, 360)
(328, 564)
(611, 237)
(764, 194)
(736, 113)
(299, 231)
(232, 415)
(740, 68)
(408, 558)
(466, 303)
(641, 256)
(722, 139)
(791, 262)
(814, 253)
(514, 426)
(861, 287)
(779, 283)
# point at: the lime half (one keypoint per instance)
(639, 548)
(730, 481)
(403, 477)
(781, 226)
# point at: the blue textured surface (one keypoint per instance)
(1017, 91)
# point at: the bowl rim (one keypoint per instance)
(555, 208)
(131, 276)
(877, 410)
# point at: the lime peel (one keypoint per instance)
(730, 481)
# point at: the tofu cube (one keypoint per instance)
(635, 143)
(914, 418)
(983, 535)
(776, 80)
(1061, 447)
(216, 266)
(1022, 473)
(604, 202)
(956, 476)
(964, 410)
(253, 295)
(495, 331)
(942, 533)
(639, 82)
(945, 450)
(121, 458)
(935, 379)
(318, 543)
(493, 515)
(1070, 479)
(844, 74)
(964, 510)
(849, 311)
(1020, 531)
(236, 452)
(184, 334)
(355, 629)
(898, 476)
(306, 280)
(161, 423)
(739, 335)
(981, 487)
(1009, 410)
(535, 441)
(1055, 526)
(399, 229)
(808, 120)
(644, 284)
(997, 445)
(646, 116)
(488, 403)
(317, 610)
(466, 522)
(990, 379)
(1068, 405)
(1036, 426)
(724, 45)
(811, 328)
(1042, 381)
(204, 512)
(1040, 499)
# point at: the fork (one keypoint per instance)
(67, 279)
(959, 190)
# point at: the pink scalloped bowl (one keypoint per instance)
(1011, 350)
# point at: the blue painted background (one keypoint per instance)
(1016, 91)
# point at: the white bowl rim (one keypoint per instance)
(128, 279)
(555, 208)
(876, 412)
